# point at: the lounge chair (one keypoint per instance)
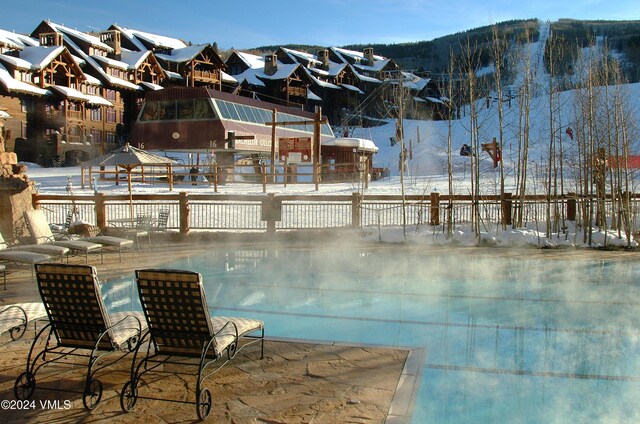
(180, 326)
(79, 326)
(15, 318)
(20, 257)
(41, 234)
(45, 249)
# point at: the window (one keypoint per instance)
(110, 137)
(149, 112)
(110, 115)
(185, 109)
(167, 110)
(203, 109)
(110, 94)
(96, 114)
(97, 136)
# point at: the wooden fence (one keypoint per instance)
(288, 212)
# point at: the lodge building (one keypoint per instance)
(67, 96)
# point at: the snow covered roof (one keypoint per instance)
(111, 62)
(13, 85)
(312, 96)
(296, 55)
(134, 59)
(78, 35)
(284, 71)
(357, 56)
(228, 78)
(91, 80)
(251, 60)
(151, 86)
(15, 62)
(151, 39)
(434, 100)
(173, 75)
(16, 41)
(250, 77)
(4, 114)
(119, 82)
(184, 54)
(361, 144)
(352, 88)
(364, 77)
(74, 94)
(378, 65)
(40, 57)
(319, 82)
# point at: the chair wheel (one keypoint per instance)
(128, 397)
(92, 395)
(203, 405)
(25, 386)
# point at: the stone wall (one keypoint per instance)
(15, 194)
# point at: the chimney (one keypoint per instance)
(270, 64)
(368, 54)
(50, 39)
(112, 39)
(323, 56)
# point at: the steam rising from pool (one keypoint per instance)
(505, 339)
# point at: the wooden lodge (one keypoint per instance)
(70, 95)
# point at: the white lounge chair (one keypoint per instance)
(45, 249)
(20, 257)
(42, 235)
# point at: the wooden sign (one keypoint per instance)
(295, 149)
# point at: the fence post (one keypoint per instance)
(184, 212)
(435, 209)
(101, 210)
(356, 210)
(571, 207)
(506, 209)
(35, 200)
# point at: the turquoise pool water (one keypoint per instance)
(505, 340)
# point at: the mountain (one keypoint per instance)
(623, 38)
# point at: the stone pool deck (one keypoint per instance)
(296, 382)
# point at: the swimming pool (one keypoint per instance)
(505, 340)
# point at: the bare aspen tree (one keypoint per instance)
(498, 50)
(524, 110)
(470, 63)
(450, 116)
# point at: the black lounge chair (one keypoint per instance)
(181, 331)
(79, 326)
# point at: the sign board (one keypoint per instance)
(272, 210)
(295, 149)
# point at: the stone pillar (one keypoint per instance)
(15, 196)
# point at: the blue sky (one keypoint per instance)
(246, 24)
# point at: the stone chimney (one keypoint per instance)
(368, 55)
(112, 39)
(323, 56)
(270, 64)
(51, 39)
